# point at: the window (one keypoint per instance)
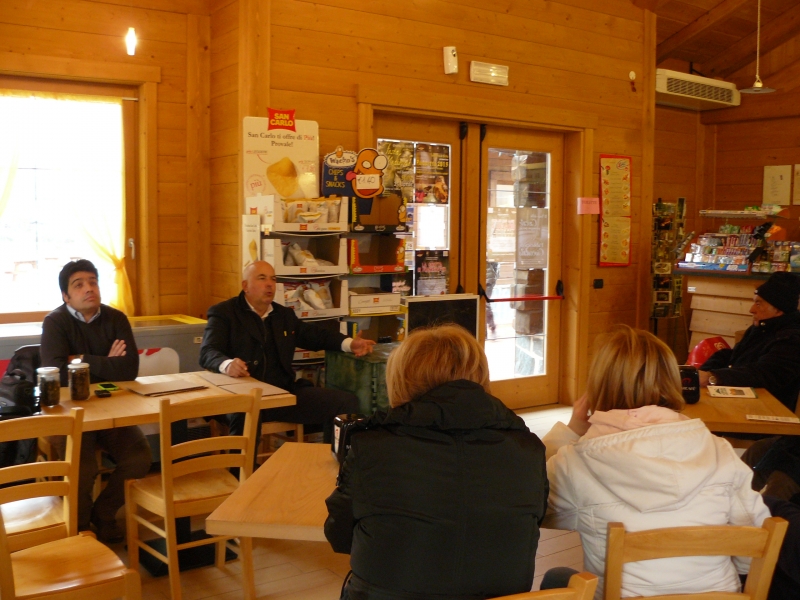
(62, 196)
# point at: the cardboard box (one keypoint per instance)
(262, 206)
(376, 254)
(390, 328)
(251, 236)
(326, 247)
(382, 214)
(371, 301)
(300, 354)
(339, 295)
(278, 222)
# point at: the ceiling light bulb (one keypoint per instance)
(130, 41)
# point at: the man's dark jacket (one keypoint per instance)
(442, 498)
(63, 336)
(768, 356)
(235, 331)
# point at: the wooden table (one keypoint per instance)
(727, 415)
(284, 498)
(125, 408)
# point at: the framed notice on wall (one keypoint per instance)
(615, 210)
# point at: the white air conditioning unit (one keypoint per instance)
(695, 93)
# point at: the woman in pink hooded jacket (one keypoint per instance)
(638, 461)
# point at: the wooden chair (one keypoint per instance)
(581, 587)
(44, 558)
(761, 543)
(194, 480)
(271, 428)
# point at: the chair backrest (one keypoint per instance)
(158, 361)
(762, 544)
(221, 452)
(21, 484)
(581, 587)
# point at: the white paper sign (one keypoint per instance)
(777, 185)
(280, 162)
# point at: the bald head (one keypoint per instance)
(258, 283)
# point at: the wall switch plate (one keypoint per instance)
(597, 284)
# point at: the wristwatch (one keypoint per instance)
(712, 380)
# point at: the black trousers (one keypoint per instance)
(315, 406)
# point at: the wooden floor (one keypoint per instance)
(311, 571)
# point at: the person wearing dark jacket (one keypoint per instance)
(443, 495)
(786, 580)
(101, 337)
(250, 335)
(768, 356)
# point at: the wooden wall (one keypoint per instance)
(225, 142)
(678, 172)
(765, 130)
(93, 31)
(567, 54)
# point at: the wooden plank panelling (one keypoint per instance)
(198, 179)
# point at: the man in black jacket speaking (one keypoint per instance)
(250, 335)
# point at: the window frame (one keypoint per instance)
(140, 169)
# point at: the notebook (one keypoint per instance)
(162, 388)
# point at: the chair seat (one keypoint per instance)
(205, 485)
(70, 563)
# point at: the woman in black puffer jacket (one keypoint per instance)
(442, 497)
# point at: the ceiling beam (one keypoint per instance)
(696, 28)
(743, 52)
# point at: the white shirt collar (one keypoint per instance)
(265, 315)
(80, 317)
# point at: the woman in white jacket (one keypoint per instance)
(638, 461)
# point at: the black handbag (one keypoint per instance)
(18, 385)
(17, 397)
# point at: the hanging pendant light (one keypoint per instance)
(758, 86)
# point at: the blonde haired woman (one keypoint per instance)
(442, 496)
(637, 460)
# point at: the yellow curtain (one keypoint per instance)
(103, 224)
(106, 236)
(9, 152)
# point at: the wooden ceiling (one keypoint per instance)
(718, 37)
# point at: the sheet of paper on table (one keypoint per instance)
(246, 387)
(218, 378)
(726, 391)
(162, 388)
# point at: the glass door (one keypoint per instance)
(521, 178)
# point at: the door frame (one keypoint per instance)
(578, 129)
